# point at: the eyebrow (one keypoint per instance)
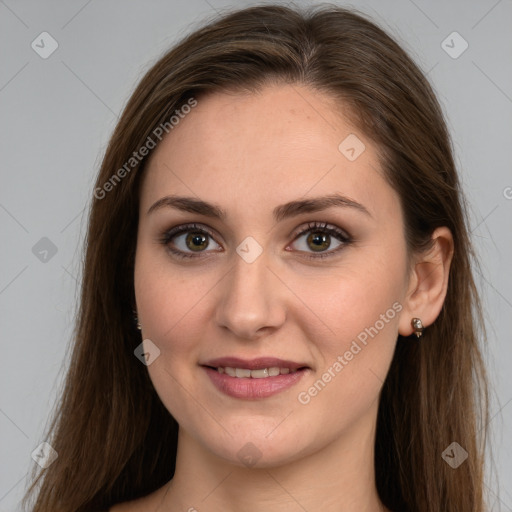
(284, 211)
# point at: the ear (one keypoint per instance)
(428, 282)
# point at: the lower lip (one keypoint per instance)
(253, 389)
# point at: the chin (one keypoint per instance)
(257, 449)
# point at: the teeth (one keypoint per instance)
(263, 373)
(259, 374)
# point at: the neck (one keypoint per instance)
(339, 477)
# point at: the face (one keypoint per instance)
(258, 270)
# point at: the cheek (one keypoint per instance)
(360, 306)
(169, 301)
(355, 357)
(175, 308)
(350, 301)
(169, 304)
(171, 307)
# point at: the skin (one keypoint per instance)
(248, 153)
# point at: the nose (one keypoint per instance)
(251, 301)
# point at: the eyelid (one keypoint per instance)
(181, 229)
(320, 225)
(331, 229)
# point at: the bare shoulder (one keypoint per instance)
(147, 503)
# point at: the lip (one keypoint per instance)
(254, 364)
(250, 388)
(253, 389)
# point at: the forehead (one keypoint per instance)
(269, 147)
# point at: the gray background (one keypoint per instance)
(57, 115)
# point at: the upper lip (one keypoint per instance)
(253, 364)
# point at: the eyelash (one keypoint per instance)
(320, 227)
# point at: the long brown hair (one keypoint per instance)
(115, 440)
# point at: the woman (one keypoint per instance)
(278, 310)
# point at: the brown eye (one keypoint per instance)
(318, 241)
(196, 241)
(321, 238)
(185, 240)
